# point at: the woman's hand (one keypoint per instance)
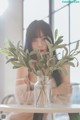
(25, 77)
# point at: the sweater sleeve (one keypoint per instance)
(23, 94)
(58, 98)
(61, 99)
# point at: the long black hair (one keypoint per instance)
(33, 31)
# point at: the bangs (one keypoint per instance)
(36, 32)
(37, 29)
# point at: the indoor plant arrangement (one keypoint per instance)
(45, 63)
(42, 64)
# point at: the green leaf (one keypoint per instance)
(51, 62)
(77, 61)
(59, 40)
(77, 45)
(11, 44)
(18, 45)
(4, 51)
(56, 33)
(11, 60)
(50, 49)
(17, 64)
(49, 39)
(71, 64)
(21, 60)
(12, 51)
(15, 67)
(32, 62)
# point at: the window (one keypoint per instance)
(75, 22)
(59, 4)
(35, 9)
(75, 73)
(61, 23)
(66, 19)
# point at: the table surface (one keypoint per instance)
(73, 108)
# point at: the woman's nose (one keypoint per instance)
(39, 43)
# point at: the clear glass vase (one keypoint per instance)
(42, 92)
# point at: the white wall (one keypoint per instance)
(11, 29)
(2, 66)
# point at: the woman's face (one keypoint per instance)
(39, 43)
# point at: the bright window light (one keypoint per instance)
(3, 6)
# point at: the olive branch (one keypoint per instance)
(41, 64)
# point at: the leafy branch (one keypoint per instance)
(41, 64)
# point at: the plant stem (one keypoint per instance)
(41, 90)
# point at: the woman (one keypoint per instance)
(36, 39)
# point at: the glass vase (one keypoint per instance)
(42, 92)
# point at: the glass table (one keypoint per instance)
(60, 108)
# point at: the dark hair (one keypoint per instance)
(33, 31)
